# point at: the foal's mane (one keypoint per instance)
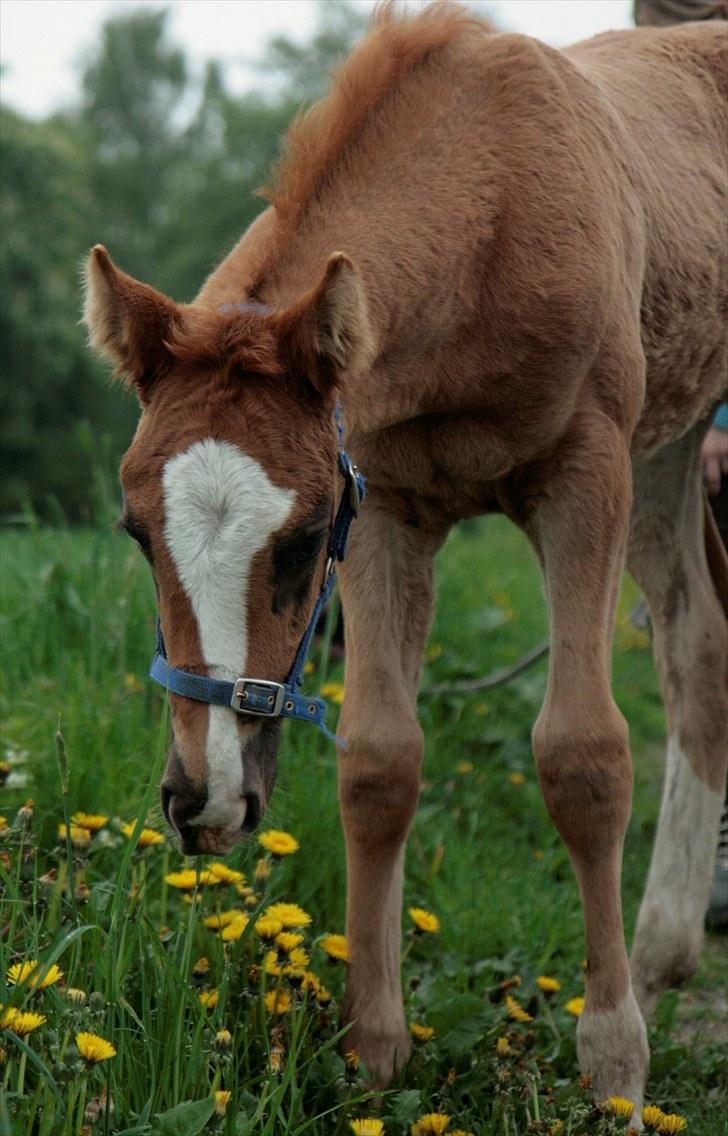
(396, 44)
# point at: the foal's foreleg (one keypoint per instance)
(580, 739)
(386, 593)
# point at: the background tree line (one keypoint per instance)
(162, 169)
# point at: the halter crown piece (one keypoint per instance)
(259, 697)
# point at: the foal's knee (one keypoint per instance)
(586, 781)
(379, 783)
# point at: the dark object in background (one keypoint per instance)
(661, 13)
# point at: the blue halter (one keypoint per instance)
(259, 697)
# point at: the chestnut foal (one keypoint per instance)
(528, 317)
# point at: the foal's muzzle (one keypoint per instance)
(226, 823)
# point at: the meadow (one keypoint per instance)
(216, 1010)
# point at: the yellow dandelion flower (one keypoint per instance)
(221, 874)
(91, 821)
(201, 967)
(432, 1124)
(188, 878)
(223, 1039)
(209, 998)
(311, 982)
(80, 837)
(336, 947)
(234, 930)
(334, 691)
(503, 1048)
(671, 1123)
(147, 836)
(421, 1033)
(262, 870)
(352, 1060)
(652, 1115)
(548, 985)
(433, 652)
(424, 920)
(298, 959)
(366, 1126)
(278, 843)
(94, 1048)
(133, 684)
(222, 1099)
(288, 940)
(464, 767)
(288, 914)
(78, 997)
(555, 1130)
(32, 973)
(322, 995)
(223, 918)
(276, 1059)
(19, 1022)
(268, 928)
(309, 667)
(3, 823)
(277, 1002)
(517, 778)
(271, 965)
(575, 1006)
(619, 1106)
(515, 1010)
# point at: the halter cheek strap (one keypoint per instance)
(259, 697)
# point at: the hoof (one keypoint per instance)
(613, 1050)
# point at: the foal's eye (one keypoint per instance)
(137, 533)
(306, 548)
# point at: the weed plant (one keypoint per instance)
(219, 1020)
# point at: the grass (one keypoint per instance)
(78, 632)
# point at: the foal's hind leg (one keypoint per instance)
(386, 587)
(667, 556)
(579, 527)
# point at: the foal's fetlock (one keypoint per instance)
(381, 1042)
(665, 954)
(613, 1051)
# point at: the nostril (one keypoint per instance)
(253, 813)
(166, 795)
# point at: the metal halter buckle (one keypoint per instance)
(257, 696)
(352, 484)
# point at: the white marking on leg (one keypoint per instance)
(670, 924)
(220, 509)
(612, 1048)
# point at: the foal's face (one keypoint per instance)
(233, 513)
(230, 488)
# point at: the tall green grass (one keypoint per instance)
(77, 635)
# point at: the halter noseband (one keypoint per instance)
(260, 697)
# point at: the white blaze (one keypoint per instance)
(220, 509)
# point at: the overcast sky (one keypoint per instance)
(41, 41)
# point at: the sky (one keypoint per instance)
(42, 41)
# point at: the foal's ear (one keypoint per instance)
(127, 321)
(327, 333)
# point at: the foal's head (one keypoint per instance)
(230, 486)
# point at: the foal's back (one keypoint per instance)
(668, 88)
